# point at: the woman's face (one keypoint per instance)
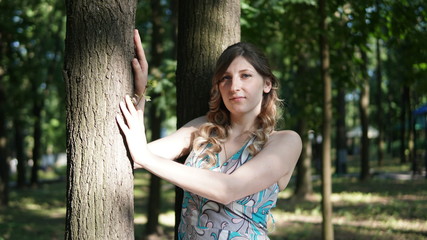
(242, 88)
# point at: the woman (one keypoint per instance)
(237, 162)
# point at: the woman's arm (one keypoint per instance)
(276, 161)
(178, 143)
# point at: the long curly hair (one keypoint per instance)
(215, 130)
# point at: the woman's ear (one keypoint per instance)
(267, 85)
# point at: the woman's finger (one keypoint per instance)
(140, 78)
(126, 114)
(130, 106)
(139, 50)
(122, 124)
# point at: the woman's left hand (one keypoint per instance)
(140, 72)
(134, 130)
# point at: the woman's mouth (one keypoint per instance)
(237, 98)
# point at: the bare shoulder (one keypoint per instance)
(192, 125)
(284, 143)
(196, 122)
(287, 145)
(286, 138)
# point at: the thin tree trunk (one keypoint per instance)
(39, 101)
(327, 227)
(304, 186)
(411, 135)
(174, 27)
(37, 134)
(425, 146)
(364, 119)
(97, 71)
(154, 198)
(403, 124)
(341, 138)
(205, 29)
(20, 152)
(4, 165)
(379, 96)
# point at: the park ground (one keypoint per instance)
(391, 205)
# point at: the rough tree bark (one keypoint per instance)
(97, 72)
(205, 29)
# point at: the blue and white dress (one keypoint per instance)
(246, 218)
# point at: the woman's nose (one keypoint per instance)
(236, 84)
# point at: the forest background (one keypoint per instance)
(379, 88)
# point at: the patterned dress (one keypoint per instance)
(246, 218)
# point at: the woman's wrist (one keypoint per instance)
(143, 157)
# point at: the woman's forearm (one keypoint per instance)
(205, 183)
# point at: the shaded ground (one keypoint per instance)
(381, 208)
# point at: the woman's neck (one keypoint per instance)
(241, 126)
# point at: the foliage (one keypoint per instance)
(31, 67)
(162, 86)
(31, 46)
(32, 34)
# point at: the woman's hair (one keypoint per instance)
(215, 131)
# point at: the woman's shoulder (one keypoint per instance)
(196, 122)
(285, 137)
(285, 134)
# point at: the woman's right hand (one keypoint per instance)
(140, 71)
(132, 126)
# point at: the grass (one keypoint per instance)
(375, 209)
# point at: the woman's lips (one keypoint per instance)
(237, 98)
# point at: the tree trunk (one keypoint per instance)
(20, 152)
(205, 29)
(411, 137)
(425, 147)
(379, 96)
(327, 227)
(4, 166)
(304, 186)
(403, 123)
(364, 119)
(37, 135)
(341, 138)
(97, 71)
(174, 27)
(154, 198)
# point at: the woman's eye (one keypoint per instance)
(246, 75)
(225, 78)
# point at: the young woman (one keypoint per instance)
(237, 162)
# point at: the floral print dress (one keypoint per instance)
(246, 218)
